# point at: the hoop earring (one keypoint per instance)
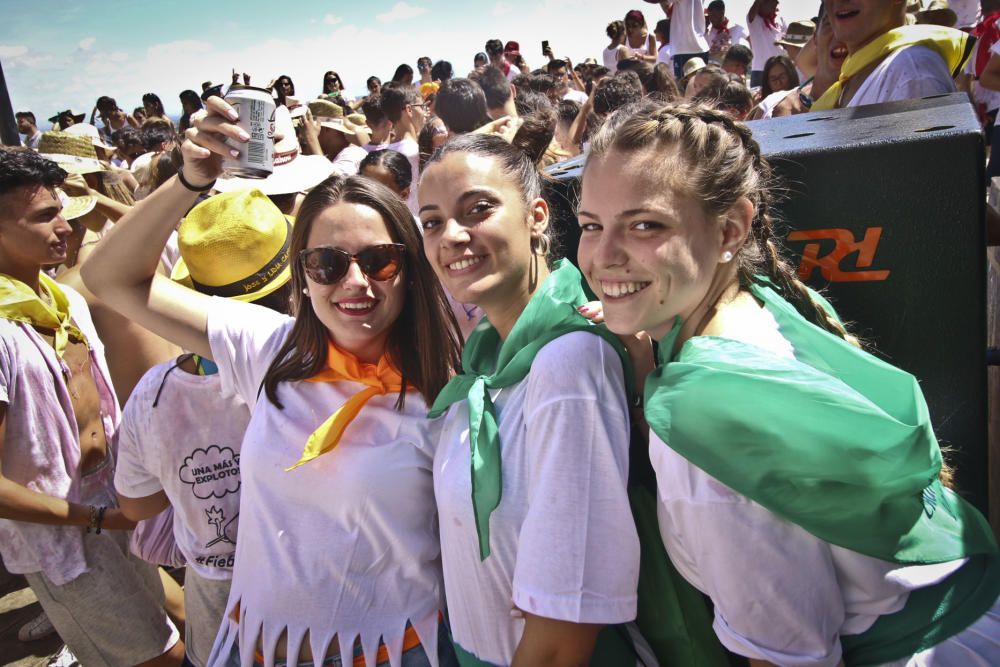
(540, 245)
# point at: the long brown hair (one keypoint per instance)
(424, 342)
(720, 163)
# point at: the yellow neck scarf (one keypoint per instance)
(954, 46)
(382, 378)
(19, 303)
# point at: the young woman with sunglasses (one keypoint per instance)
(797, 476)
(338, 553)
(538, 544)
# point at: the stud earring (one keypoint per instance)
(305, 290)
(727, 257)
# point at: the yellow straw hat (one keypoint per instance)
(234, 245)
(75, 154)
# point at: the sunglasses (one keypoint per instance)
(328, 265)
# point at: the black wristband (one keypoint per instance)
(194, 188)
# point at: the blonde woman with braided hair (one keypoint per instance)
(797, 475)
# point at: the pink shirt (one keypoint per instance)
(42, 446)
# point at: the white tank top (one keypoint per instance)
(611, 58)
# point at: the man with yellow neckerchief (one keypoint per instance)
(888, 60)
(59, 524)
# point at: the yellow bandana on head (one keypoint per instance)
(381, 378)
(19, 303)
(954, 46)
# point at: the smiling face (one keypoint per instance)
(357, 311)
(477, 230)
(830, 51)
(33, 232)
(648, 250)
(857, 22)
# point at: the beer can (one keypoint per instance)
(255, 107)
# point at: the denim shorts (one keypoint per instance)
(415, 657)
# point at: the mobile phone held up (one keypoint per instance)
(545, 47)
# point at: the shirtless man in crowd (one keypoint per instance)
(60, 526)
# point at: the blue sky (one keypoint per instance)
(66, 54)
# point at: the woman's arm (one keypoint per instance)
(122, 269)
(579, 125)
(140, 509)
(547, 642)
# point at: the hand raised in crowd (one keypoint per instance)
(504, 127)
(75, 186)
(205, 144)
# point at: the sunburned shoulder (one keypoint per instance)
(746, 320)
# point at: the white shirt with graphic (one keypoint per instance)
(187, 446)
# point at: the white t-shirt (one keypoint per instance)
(188, 446)
(346, 544)
(780, 593)
(906, 74)
(721, 40)
(575, 95)
(348, 160)
(665, 55)
(563, 542)
(687, 27)
(968, 12)
(411, 150)
(763, 38)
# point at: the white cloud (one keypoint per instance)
(87, 42)
(12, 51)
(401, 11)
(330, 19)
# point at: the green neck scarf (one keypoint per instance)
(19, 303)
(840, 443)
(490, 363)
(834, 440)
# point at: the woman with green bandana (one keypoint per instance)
(539, 547)
(797, 476)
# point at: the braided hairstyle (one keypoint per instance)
(718, 162)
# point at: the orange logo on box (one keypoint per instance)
(829, 265)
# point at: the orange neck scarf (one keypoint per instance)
(381, 378)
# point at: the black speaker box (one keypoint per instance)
(883, 210)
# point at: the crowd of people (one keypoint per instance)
(371, 419)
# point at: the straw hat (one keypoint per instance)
(938, 13)
(798, 33)
(77, 118)
(234, 245)
(293, 171)
(331, 115)
(692, 66)
(89, 131)
(73, 153)
(75, 207)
